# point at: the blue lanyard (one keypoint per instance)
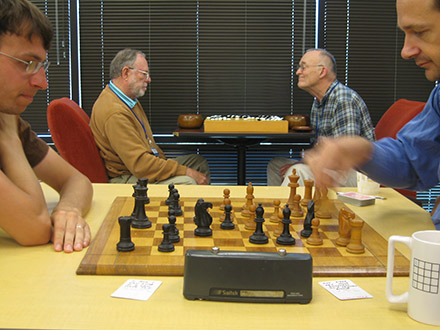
(142, 124)
(322, 111)
(140, 121)
(154, 150)
(120, 95)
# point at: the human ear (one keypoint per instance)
(124, 73)
(323, 72)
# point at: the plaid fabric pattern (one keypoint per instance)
(341, 112)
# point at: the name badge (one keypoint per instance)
(154, 150)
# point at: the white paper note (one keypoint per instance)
(345, 290)
(137, 289)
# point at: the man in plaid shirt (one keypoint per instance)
(337, 110)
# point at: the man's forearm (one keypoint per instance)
(75, 194)
(24, 211)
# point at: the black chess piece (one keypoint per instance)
(176, 204)
(259, 237)
(307, 227)
(174, 232)
(286, 238)
(139, 191)
(143, 182)
(227, 224)
(170, 196)
(166, 245)
(172, 213)
(140, 218)
(202, 218)
(125, 244)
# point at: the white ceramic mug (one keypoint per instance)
(423, 296)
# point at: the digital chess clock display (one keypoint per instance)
(247, 293)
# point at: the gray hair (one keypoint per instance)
(125, 57)
(326, 55)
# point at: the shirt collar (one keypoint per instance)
(128, 101)
(328, 92)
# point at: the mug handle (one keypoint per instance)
(403, 298)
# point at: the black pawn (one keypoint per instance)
(166, 245)
(176, 204)
(174, 232)
(227, 223)
(125, 244)
(286, 238)
(307, 227)
(170, 196)
(259, 237)
(172, 213)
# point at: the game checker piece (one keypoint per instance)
(331, 258)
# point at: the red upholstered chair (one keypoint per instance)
(401, 112)
(73, 138)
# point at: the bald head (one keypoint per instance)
(326, 59)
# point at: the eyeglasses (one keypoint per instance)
(32, 67)
(145, 73)
(304, 66)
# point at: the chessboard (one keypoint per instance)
(329, 259)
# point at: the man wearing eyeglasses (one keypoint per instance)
(123, 134)
(25, 37)
(337, 110)
(412, 160)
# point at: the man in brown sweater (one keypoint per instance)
(123, 134)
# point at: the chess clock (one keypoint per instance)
(266, 277)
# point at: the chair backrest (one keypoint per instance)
(401, 112)
(73, 138)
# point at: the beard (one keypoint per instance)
(136, 89)
(140, 92)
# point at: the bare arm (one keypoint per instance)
(331, 158)
(283, 170)
(24, 212)
(70, 231)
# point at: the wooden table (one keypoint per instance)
(39, 288)
(295, 140)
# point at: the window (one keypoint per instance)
(210, 57)
(364, 38)
(226, 56)
(58, 74)
(366, 42)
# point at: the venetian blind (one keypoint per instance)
(366, 42)
(58, 74)
(210, 57)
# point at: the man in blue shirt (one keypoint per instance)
(337, 110)
(411, 160)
